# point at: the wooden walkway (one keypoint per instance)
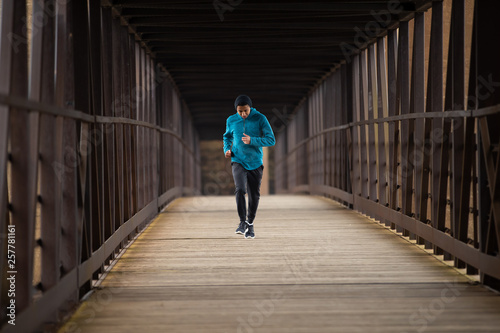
(314, 266)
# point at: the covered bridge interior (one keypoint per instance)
(390, 108)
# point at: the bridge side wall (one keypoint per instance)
(406, 131)
(95, 140)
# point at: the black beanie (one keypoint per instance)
(242, 100)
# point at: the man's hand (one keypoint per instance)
(228, 154)
(246, 139)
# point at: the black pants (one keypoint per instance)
(247, 180)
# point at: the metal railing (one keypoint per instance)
(423, 155)
(92, 146)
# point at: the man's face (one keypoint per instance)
(243, 111)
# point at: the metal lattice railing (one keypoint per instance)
(94, 141)
(422, 153)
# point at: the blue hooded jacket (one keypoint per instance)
(258, 128)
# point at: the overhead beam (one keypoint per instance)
(266, 6)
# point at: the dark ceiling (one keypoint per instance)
(273, 51)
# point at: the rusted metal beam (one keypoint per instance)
(6, 21)
(435, 104)
(21, 165)
(126, 113)
(109, 192)
(407, 126)
(393, 110)
(48, 178)
(457, 40)
(403, 97)
(468, 196)
(347, 113)
(371, 112)
(419, 161)
(363, 94)
(382, 105)
(356, 148)
(118, 109)
(65, 97)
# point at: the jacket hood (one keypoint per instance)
(253, 113)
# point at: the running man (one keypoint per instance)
(247, 132)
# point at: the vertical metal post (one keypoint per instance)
(108, 129)
(403, 72)
(65, 86)
(6, 21)
(6, 53)
(418, 92)
(118, 108)
(347, 107)
(393, 109)
(457, 40)
(407, 131)
(382, 99)
(468, 200)
(48, 179)
(356, 177)
(372, 111)
(488, 76)
(21, 164)
(134, 204)
(435, 104)
(94, 220)
(125, 107)
(363, 87)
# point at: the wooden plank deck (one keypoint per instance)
(314, 266)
